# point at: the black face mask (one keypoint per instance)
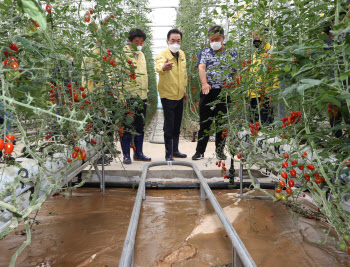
(257, 43)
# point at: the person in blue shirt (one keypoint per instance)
(213, 63)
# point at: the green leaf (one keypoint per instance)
(27, 45)
(344, 75)
(34, 10)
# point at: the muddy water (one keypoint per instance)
(176, 229)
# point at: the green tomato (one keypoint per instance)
(278, 196)
(284, 197)
(9, 75)
(343, 246)
(347, 237)
(287, 68)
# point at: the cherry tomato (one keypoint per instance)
(75, 136)
(91, 11)
(318, 180)
(10, 138)
(79, 156)
(69, 85)
(293, 173)
(6, 62)
(289, 191)
(239, 156)
(304, 154)
(343, 246)
(87, 19)
(322, 179)
(284, 175)
(82, 107)
(112, 16)
(14, 65)
(291, 183)
(278, 196)
(74, 154)
(284, 198)
(83, 155)
(285, 155)
(76, 149)
(87, 101)
(310, 167)
(107, 20)
(83, 95)
(278, 189)
(2, 144)
(294, 162)
(14, 59)
(9, 148)
(285, 164)
(14, 47)
(7, 53)
(282, 183)
(48, 9)
(307, 177)
(69, 160)
(93, 141)
(301, 167)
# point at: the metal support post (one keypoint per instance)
(103, 173)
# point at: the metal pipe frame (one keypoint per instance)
(127, 257)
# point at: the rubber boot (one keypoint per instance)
(138, 154)
(176, 153)
(125, 141)
(168, 149)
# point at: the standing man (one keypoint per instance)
(135, 91)
(260, 104)
(171, 66)
(212, 63)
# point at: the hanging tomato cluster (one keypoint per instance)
(254, 129)
(78, 153)
(132, 74)
(221, 165)
(107, 58)
(11, 61)
(8, 146)
(48, 136)
(333, 110)
(120, 131)
(294, 118)
(224, 133)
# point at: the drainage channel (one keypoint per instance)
(240, 255)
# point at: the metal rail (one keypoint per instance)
(241, 256)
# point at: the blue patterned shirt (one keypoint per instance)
(218, 65)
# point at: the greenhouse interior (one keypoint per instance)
(175, 133)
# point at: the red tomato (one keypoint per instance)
(82, 88)
(14, 65)
(9, 148)
(285, 155)
(307, 177)
(282, 183)
(83, 95)
(284, 175)
(93, 141)
(91, 11)
(311, 167)
(83, 155)
(69, 85)
(278, 189)
(289, 191)
(48, 9)
(75, 136)
(82, 107)
(69, 160)
(7, 53)
(10, 138)
(285, 164)
(318, 180)
(107, 20)
(239, 156)
(87, 19)
(112, 16)
(293, 173)
(75, 96)
(87, 101)
(14, 59)
(304, 154)
(322, 179)
(294, 162)
(2, 144)
(6, 62)
(301, 167)
(76, 149)
(14, 47)
(291, 183)
(74, 154)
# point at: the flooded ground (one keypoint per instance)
(176, 229)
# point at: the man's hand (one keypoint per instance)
(205, 89)
(147, 100)
(185, 97)
(167, 66)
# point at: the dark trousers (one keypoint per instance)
(206, 117)
(266, 112)
(173, 110)
(140, 111)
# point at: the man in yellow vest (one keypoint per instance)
(135, 91)
(258, 95)
(171, 66)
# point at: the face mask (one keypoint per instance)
(215, 46)
(174, 48)
(257, 43)
(139, 48)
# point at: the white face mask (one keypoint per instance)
(139, 48)
(216, 45)
(174, 48)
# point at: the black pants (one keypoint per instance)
(140, 111)
(206, 117)
(173, 110)
(266, 112)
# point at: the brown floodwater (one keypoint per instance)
(176, 229)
